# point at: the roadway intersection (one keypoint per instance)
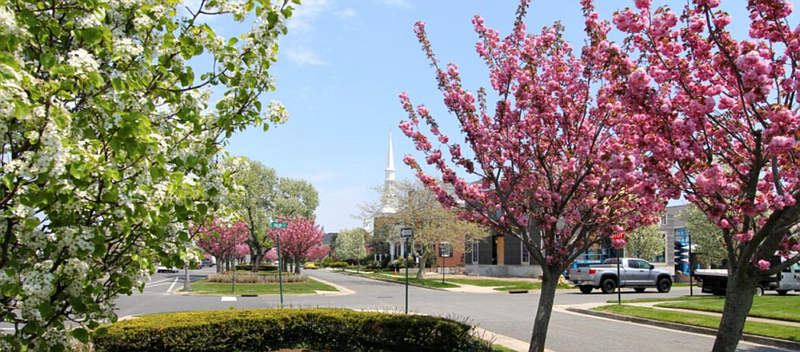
(502, 313)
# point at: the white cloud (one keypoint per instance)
(303, 18)
(305, 57)
(346, 14)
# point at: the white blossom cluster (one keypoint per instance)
(82, 61)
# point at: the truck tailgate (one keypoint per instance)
(579, 274)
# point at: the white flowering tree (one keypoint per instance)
(109, 146)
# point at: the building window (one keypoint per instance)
(475, 252)
(526, 257)
(664, 219)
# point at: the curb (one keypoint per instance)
(767, 341)
(396, 282)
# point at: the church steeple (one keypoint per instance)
(390, 162)
(389, 192)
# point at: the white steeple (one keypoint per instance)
(389, 196)
(390, 161)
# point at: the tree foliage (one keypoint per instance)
(705, 235)
(225, 241)
(554, 162)
(718, 117)
(109, 146)
(645, 242)
(299, 237)
(351, 244)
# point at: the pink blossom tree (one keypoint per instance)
(719, 118)
(299, 237)
(319, 252)
(554, 167)
(224, 241)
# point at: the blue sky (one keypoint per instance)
(341, 68)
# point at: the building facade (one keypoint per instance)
(505, 256)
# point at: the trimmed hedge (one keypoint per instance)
(339, 265)
(261, 267)
(272, 329)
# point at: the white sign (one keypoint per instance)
(406, 232)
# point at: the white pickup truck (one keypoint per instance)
(716, 281)
(635, 273)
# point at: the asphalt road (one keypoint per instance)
(503, 313)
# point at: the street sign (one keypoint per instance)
(445, 250)
(406, 232)
(278, 225)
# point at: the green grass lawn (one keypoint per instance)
(498, 348)
(755, 328)
(206, 288)
(411, 280)
(684, 298)
(772, 307)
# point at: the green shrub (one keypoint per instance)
(374, 265)
(262, 267)
(339, 265)
(326, 263)
(268, 330)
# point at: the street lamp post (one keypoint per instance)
(279, 225)
(406, 233)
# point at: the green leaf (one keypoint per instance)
(96, 79)
(93, 36)
(81, 334)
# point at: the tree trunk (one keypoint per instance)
(297, 266)
(544, 311)
(421, 267)
(738, 301)
(256, 262)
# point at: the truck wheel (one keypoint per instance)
(664, 285)
(639, 289)
(588, 289)
(782, 292)
(608, 285)
(759, 291)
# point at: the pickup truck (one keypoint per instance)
(715, 281)
(636, 273)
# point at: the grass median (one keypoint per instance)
(505, 285)
(778, 331)
(770, 307)
(670, 299)
(206, 288)
(411, 280)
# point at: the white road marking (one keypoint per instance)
(173, 285)
(228, 299)
(156, 283)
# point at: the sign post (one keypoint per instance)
(279, 225)
(444, 252)
(407, 233)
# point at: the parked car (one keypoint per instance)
(715, 281)
(209, 262)
(635, 273)
(163, 269)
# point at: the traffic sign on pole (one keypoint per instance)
(406, 232)
(278, 225)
